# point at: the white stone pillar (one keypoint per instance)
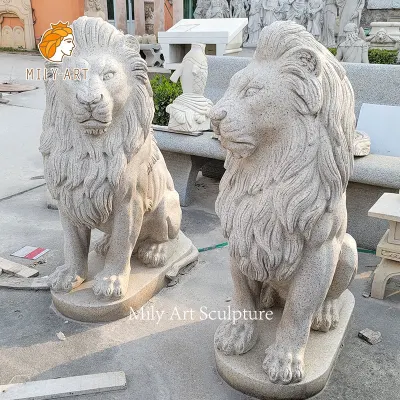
(159, 16)
(178, 10)
(121, 16)
(140, 26)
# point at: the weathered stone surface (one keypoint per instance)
(370, 336)
(103, 165)
(244, 372)
(283, 187)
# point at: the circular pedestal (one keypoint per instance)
(245, 372)
(81, 304)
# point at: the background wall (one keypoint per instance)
(52, 11)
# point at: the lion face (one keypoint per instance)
(94, 102)
(253, 110)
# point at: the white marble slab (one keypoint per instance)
(64, 387)
(382, 124)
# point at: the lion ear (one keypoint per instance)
(132, 43)
(306, 58)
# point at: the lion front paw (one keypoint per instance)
(65, 278)
(111, 285)
(153, 254)
(327, 317)
(283, 365)
(236, 337)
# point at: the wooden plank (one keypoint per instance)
(17, 269)
(23, 283)
(64, 387)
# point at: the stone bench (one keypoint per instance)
(373, 175)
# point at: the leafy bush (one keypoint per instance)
(333, 50)
(164, 93)
(377, 56)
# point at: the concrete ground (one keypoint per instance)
(172, 359)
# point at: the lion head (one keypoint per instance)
(98, 114)
(287, 121)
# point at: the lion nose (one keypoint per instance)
(90, 99)
(217, 114)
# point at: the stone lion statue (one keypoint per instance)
(287, 121)
(102, 163)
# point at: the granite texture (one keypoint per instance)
(282, 200)
(144, 283)
(372, 83)
(102, 165)
(244, 373)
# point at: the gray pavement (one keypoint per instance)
(173, 359)
(20, 126)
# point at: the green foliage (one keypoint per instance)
(13, 50)
(379, 56)
(164, 93)
(333, 50)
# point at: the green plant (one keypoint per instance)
(379, 56)
(333, 50)
(164, 93)
(15, 50)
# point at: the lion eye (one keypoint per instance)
(108, 76)
(251, 91)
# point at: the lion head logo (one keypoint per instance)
(92, 127)
(287, 121)
(57, 42)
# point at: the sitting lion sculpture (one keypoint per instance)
(101, 162)
(287, 121)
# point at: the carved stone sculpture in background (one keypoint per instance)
(287, 121)
(382, 40)
(201, 9)
(283, 8)
(297, 11)
(269, 12)
(314, 17)
(189, 111)
(218, 9)
(350, 11)
(102, 164)
(239, 8)
(352, 49)
(255, 22)
(93, 8)
(329, 13)
(362, 144)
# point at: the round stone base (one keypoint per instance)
(245, 372)
(81, 304)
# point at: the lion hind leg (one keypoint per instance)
(327, 316)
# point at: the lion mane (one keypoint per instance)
(268, 212)
(83, 171)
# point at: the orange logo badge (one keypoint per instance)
(57, 42)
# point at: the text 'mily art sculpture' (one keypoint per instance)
(102, 163)
(287, 121)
